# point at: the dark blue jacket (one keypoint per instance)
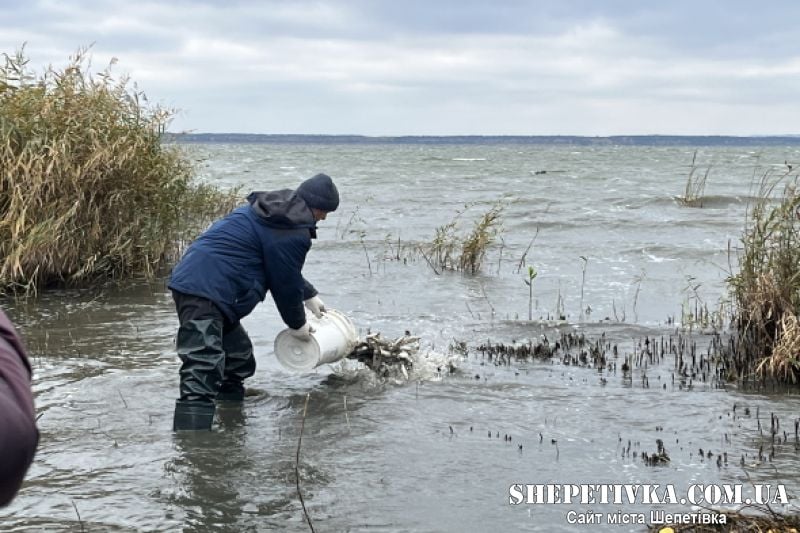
(257, 248)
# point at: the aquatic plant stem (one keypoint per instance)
(488, 301)
(583, 284)
(530, 301)
(500, 259)
(297, 465)
(525, 254)
(80, 521)
(366, 253)
(531, 276)
(435, 271)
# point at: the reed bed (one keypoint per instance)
(450, 250)
(766, 290)
(483, 234)
(695, 189)
(88, 191)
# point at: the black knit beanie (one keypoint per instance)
(320, 193)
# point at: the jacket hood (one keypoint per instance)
(282, 209)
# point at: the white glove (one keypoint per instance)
(316, 306)
(303, 333)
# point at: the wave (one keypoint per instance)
(718, 200)
(711, 200)
(540, 172)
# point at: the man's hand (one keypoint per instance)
(316, 306)
(303, 333)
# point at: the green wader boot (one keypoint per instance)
(199, 346)
(192, 416)
(239, 364)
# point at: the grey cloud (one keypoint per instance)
(425, 67)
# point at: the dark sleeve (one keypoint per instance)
(286, 280)
(308, 290)
(18, 433)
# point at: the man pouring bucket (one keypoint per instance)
(225, 273)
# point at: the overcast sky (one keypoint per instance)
(428, 67)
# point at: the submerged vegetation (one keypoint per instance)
(766, 290)
(88, 192)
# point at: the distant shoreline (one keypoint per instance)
(566, 140)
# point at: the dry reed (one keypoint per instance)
(694, 192)
(474, 245)
(766, 290)
(88, 191)
(450, 251)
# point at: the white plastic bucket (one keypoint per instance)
(334, 337)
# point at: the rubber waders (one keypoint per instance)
(193, 416)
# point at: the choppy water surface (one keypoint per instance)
(426, 456)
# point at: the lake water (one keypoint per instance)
(615, 253)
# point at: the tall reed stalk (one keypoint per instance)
(88, 192)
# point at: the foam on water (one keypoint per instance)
(427, 365)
